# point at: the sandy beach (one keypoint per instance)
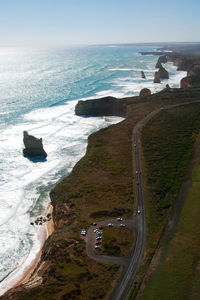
(26, 274)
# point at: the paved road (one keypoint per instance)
(90, 242)
(125, 282)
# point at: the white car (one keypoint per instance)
(119, 219)
(139, 212)
(110, 225)
(122, 225)
(97, 247)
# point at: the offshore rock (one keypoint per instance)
(156, 77)
(161, 60)
(33, 146)
(145, 92)
(143, 75)
(163, 73)
(107, 106)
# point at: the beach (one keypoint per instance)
(27, 274)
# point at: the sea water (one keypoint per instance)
(39, 89)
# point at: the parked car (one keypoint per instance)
(83, 232)
(94, 224)
(139, 212)
(119, 219)
(122, 225)
(110, 225)
(97, 247)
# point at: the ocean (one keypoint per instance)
(39, 90)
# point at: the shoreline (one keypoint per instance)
(26, 274)
(29, 277)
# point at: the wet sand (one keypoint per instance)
(23, 274)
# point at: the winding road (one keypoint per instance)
(132, 262)
(125, 282)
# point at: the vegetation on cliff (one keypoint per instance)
(172, 146)
(101, 185)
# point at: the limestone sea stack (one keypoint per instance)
(143, 75)
(33, 146)
(156, 77)
(161, 60)
(163, 73)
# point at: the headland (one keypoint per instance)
(101, 186)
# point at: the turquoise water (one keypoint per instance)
(39, 89)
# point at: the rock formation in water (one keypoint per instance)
(161, 60)
(163, 73)
(33, 146)
(107, 106)
(156, 77)
(145, 92)
(143, 75)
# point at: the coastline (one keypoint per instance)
(29, 278)
(26, 274)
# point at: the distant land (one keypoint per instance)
(108, 183)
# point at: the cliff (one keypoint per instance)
(107, 106)
(100, 185)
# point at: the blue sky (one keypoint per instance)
(65, 22)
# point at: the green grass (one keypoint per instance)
(168, 144)
(177, 275)
(116, 241)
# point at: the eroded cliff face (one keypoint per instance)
(107, 106)
(161, 59)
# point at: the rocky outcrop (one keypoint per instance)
(163, 73)
(107, 106)
(161, 60)
(185, 82)
(143, 75)
(156, 77)
(33, 146)
(145, 92)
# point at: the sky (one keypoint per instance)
(69, 22)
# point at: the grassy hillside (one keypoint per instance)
(168, 143)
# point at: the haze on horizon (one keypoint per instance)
(69, 22)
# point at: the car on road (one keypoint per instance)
(119, 219)
(110, 225)
(139, 212)
(122, 225)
